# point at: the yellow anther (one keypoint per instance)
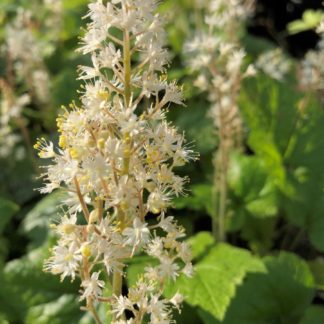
(68, 228)
(124, 205)
(168, 244)
(104, 95)
(68, 257)
(152, 156)
(84, 178)
(86, 251)
(74, 153)
(62, 142)
(127, 138)
(104, 134)
(127, 152)
(101, 143)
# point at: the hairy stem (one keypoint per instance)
(219, 192)
(118, 275)
(127, 68)
(82, 202)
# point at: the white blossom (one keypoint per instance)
(92, 286)
(117, 158)
(274, 64)
(136, 235)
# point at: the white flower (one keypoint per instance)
(157, 202)
(137, 235)
(65, 261)
(168, 269)
(92, 287)
(274, 64)
(235, 61)
(159, 311)
(167, 223)
(109, 56)
(188, 270)
(46, 150)
(177, 300)
(92, 40)
(320, 27)
(67, 226)
(121, 304)
(117, 160)
(155, 247)
(173, 94)
(184, 252)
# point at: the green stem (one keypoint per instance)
(94, 313)
(127, 68)
(117, 287)
(214, 204)
(219, 197)
(222, 209)
(117, 282)
(219, 193)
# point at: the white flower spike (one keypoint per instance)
(117, 158)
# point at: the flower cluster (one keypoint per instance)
(24, 56)
(274, 64)
(226, 14)
(219, 60)
(11, 107)
(54, 20)
(216, 56)
(28, 64)
(312, 67)
(117, 159)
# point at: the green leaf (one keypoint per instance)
(272, 119)
(310, 20)
(72, 4)
(198, 127)
(200, 243)
(11, 307)
(313, 315)
(260, 233)
(317, 268)
(281, 294)
(198, 199)
(7, 211)
(17, 180)
(30, 285)
(286, 133)
(251, 184)
(66, 309)
(3, 320)
(136, 268)
(256, 45)
(36, 223)
(216, 279)
(253, 201)
(188, 315)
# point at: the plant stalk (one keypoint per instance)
(117, 283)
